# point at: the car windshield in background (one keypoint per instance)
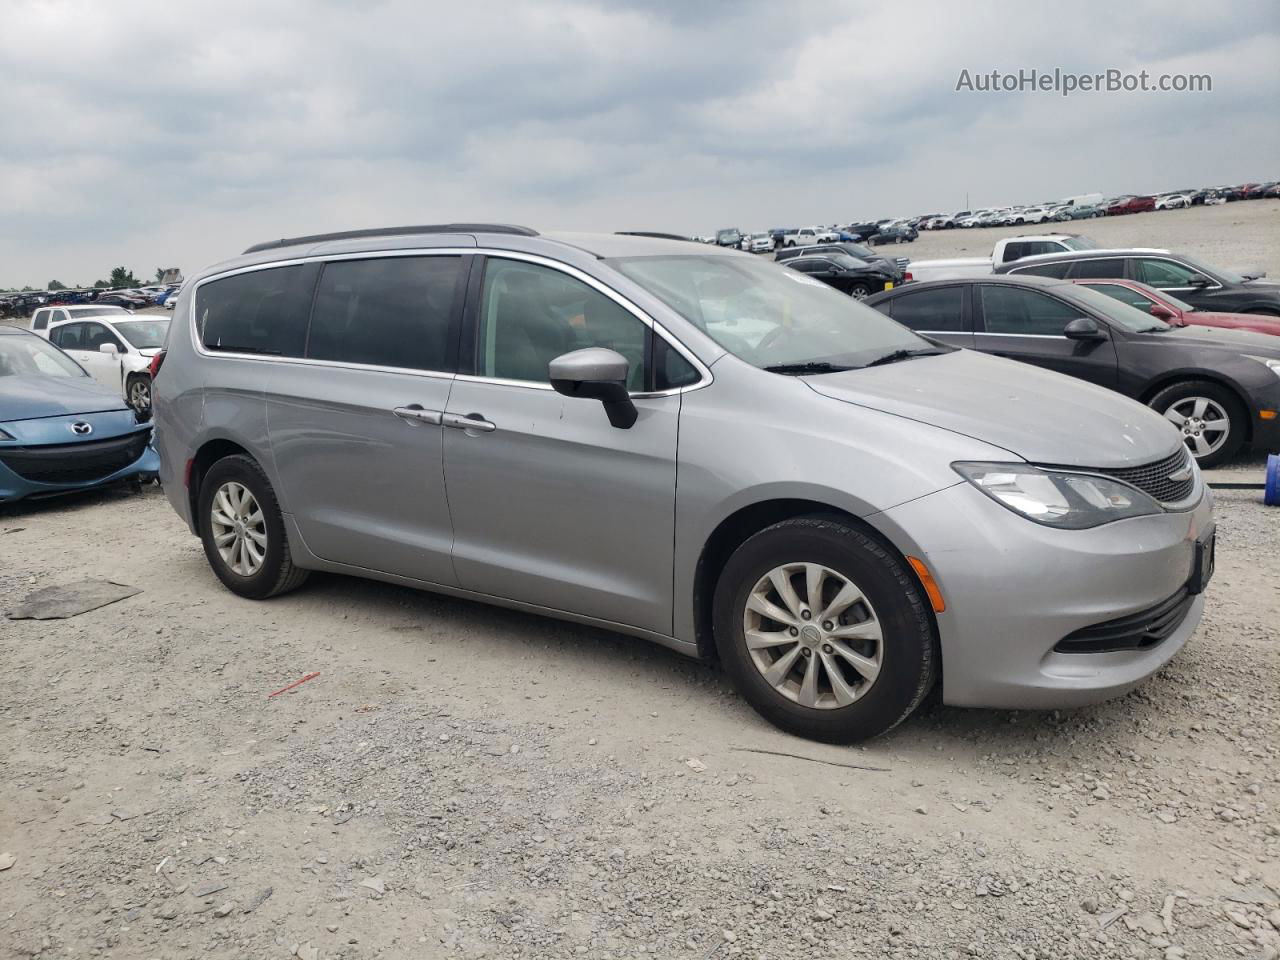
(771, 316)
(144, 334)
(27, 356)
(1131, 318)
(1079, 243)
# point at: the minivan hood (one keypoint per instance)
(31, 398)
(1041, 416)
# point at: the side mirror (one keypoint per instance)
(596, 373)
(109, 349)
(1163, 312)
(1083, 328)
(1198, 280)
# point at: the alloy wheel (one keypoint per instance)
(1204, 423)
(239, 528)
(813, 635)
(140, 395)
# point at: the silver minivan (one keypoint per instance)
(686, 444)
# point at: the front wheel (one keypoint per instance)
(1211, 418)
(242, 528)
(824, 631)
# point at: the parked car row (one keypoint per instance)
(22, 304)
(113, 345)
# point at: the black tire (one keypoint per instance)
(909, 650)
(278, 574)
(139, 384)
(1225, 398)
(859, 290)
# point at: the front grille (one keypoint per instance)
(1153, 478)
(1138, 631)
(75, 462)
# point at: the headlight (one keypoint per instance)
(1069, 501)
(1273, 365)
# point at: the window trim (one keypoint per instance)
(470, 256)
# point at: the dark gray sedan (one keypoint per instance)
(1220, 387)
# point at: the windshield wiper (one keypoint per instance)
(898, 355)
(810, 366)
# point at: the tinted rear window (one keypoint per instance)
(392, 312)
(264, 311)
(940, 311)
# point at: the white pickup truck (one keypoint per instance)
(808, 236)
(1006, 250)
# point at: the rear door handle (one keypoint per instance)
(472, 421)
(414, 414)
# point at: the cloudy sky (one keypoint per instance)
(175, 134)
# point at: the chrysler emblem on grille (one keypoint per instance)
(81, 429)
(1180, 476)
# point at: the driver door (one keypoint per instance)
(1028, 325)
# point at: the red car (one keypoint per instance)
(1176, 313)
(1131, 205)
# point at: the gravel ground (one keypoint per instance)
(463, 781)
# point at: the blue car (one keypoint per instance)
(60, 430)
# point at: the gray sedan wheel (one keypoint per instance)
(1210, 417)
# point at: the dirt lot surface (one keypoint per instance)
(461, 781)
(1231, 235)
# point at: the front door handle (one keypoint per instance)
(414, 414)
(472, 421)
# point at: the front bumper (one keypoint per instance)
(1014, 589)
(46, 470)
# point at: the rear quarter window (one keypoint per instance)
(263, 311)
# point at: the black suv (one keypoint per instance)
(1202, 286)
(1220, 388)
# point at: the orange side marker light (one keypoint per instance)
(930, 585)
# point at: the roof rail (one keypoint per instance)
(654, 234)
(396, 232)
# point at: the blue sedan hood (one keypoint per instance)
(31, 398)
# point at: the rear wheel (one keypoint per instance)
(138, 392)
(859, 291)
(243, 531)
(1212, 419)
(824, 631)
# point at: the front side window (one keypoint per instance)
(1024, 312)
(95, 335)
(31, 357)
(1163, 273)
(939, 311)
(769, 315)
(531, 314)
(262, 311)
(392, 312)
(1111, 268)
(1056, 270)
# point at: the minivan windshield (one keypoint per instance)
(771, 316)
